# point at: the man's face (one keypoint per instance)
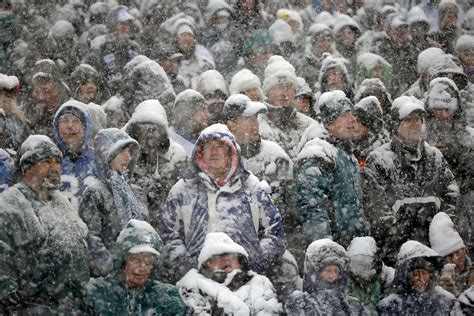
(226, 263)
(419, 279)
(418, 30)
(46, 174)
(303, 104)
(186, 42)
(245, 129)
(343, 127)
(322, 45)
(399, 34)
(170, 66)
(253, 94)
(334, 80)
(330, 273)
(88, 91)
(150, 137)
(281, 95)
(199, 120)
(71, 131)
(295, 26)
(123, 29)
(347, 37)
(410, 130)
(443, 115)
(46, 95)
(260, 57)
(216, 155)
(467, 61)
(121, 161)
(138, 268)
(449, 20)
(360, 131)
(458, 258)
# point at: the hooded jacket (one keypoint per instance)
(109, 200)
(319, 297)
(404, 187)
(75, 167)
(406, 300)
(83, 73)
(238, 206)
(112, 296)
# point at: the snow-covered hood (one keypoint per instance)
(445, 66)
(108, 143)
(337, 64)
(219, 243)
(438, 98)
(281, 32)
(81, 107)
(210, 82)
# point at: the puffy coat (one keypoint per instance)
(112, 296)
(109, 201)
(43, 253)
(75, 168)
(241, 208)
(327, 193)
(406, 300)
(320, 297)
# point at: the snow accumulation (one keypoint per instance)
(8, 82)
(413, 249)
(318, 148)
(244, 80)
(370, 60)
(211, 81)
(219, 243)
(362, 246)
(407, 105)
(150, 111)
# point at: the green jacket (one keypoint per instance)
(368, 294)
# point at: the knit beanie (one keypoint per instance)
(444, 239)
(37, 148)
(219, 243)
(244, 80)
(369, 112)
(278, 71)
(186, 104)
(443, 94)
(333, 104)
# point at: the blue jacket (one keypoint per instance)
(328, 194)
(241, 208)
(75, 168)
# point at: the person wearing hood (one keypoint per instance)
(192, 64)
(346, 34)
(371, 66)
(211, 84)
(47, 94)
(406, 181)
(72, 128)
(324, 283)
(398, 51)
(257, 50)
(118, 48)
(282, 124)
(304, 98)
(168, 57)
(333, 75)
(375, 87)
(246, 82)
(458, 272)
(284, 38)
(190, 117)
(465, 53)
(425, 59)
(87, 85)
(416, 293)
(419, 27)
(66, 47)
(320, 41)
(110, 201)
(219, 195)
(13, 123)
(43, 250)
(160, 160)
(365, 277)
(327, 179)
(370, 132)
(223, 283)
(448, 31)
(133, 287)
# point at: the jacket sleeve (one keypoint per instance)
(8, 273)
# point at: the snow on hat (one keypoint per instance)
(402, 107)
(182, 26)
(36, 148)
(278, 71)
(333, 104)
(467, 297)
(149, 111)
(369, 112)
(444, 239)
(186, 104)
(217, 8)
(62, 29)
(447, 6)
(244, 80)
(139, 236)
(257, 39)
(241, 105)
(290, 15)
(414, 249)
(427, 57)
(417, 15)
(319, 30)
(364, 246)
(123, 15)
(324, 252)
(465, 43)
(211, 81)
(325, 18)
(395, 22)
(281, 32)
(218, 244)
(302, 88)
(8, 82)
(445, 66)
(443, 94)
(346, 21)
(362, 253)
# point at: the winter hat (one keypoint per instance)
(362, 253)
(9, 82)
(302, 88)
(333, 104)
(464, 44)
(370, 87)
(211, 83)
(427, 57)
(443, 94)
(444, 239)
(446, 66)
(241, 105)
(35, 149)
(346, 21)
(396, 21)
(278, 71)
(109, 142)
(336, 63)
(319, 30)
(369, 112)
(182, 26)
(186, 104)
(139, 236)
(281, 32)
(290, 15)
(244, 80)
(417, 15)
(217, 8)
(324, 252)
(62, 29)
(219, 243)
(446, 6)
(149, 111)
(257, 39)
(71, 107)
(414, 249)
(402, 107)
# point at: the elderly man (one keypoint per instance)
(43, 250)
(406, 182)
(219, 195)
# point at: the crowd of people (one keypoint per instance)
(237, 157)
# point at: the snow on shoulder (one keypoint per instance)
(318, 148)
